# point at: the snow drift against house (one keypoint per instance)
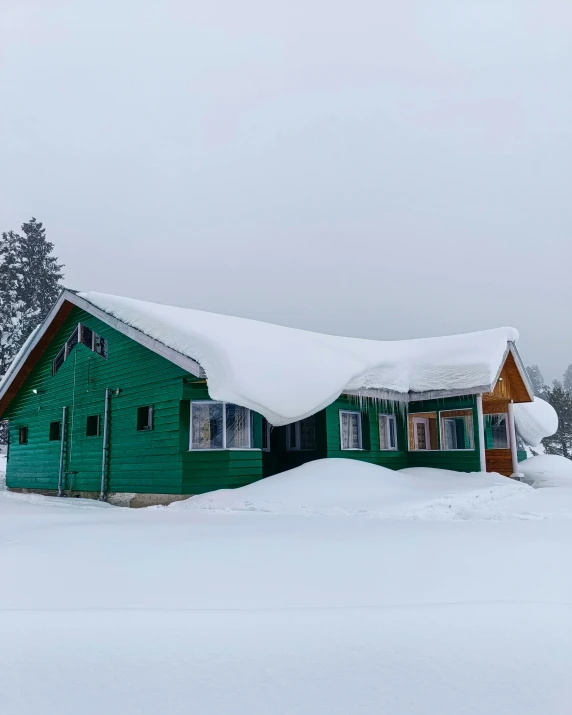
(535, 420)
(287, 374)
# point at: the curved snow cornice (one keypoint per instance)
(287, 374)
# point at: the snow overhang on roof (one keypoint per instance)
(287, 374)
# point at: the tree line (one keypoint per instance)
(560, 397)
(30, 282)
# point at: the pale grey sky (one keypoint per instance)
(371, 168)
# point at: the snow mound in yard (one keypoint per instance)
(547, 470)
(287, 374)
(535, 420)
(348, 487)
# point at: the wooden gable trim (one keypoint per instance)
(511, 382)
(52, 324)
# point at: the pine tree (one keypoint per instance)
(539, 387)
(567, 379)
(560, 442)
(41, 275)
(29, 284)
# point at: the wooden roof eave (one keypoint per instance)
(62, 308)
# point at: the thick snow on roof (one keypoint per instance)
(287, 374)
(535, 420)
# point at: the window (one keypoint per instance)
(88, 338)
(144, 418)
(301, 436)
(265, 435)
(350, 430)
(457, 429)
(496, 431)
(92, 426)
(216, 425)
(423, 431)
(387, 432)
(100, 345)
(55, 431)
(23, 435)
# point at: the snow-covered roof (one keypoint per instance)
(535, 420)
(287, 374)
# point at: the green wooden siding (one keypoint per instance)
(138, 461)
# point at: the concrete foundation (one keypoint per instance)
(125, 499)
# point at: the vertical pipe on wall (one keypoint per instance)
(104, 456)
(512, 438)
(62, 452)
(481, 423)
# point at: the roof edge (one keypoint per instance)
(67, 296)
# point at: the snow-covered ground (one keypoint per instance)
(345, 590)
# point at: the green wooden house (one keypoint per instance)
(121, 400)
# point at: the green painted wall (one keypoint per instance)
(139, 461)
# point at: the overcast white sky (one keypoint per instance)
(369, 168)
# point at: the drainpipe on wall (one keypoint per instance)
(62, 452)
(512, 438)
(105, 451)
(481, 425)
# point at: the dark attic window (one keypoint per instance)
(144, 418)
(55, 431)
(23, 435)
(92, 426)
(84, 335)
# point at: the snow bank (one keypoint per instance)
(547, 470)
(287, 374)
(535, 420)
(347, 487)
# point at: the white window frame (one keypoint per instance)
(505, 415)
(360, 436)
(224, 447)
(465, 449)
(425, 421)
(297, 429)
(389, 418)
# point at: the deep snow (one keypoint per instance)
(178, 610)
(287, 374)
(535, 420)
(547, 470)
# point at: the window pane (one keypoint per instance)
(59, 360)
(496, 436)
(291, 436)
(72, 341)
(87, 336)
(265, 435)
(55, 431)
(100, 346)
(392, 434)
(383, 436)
(421, 435)
(307, 434)
(92, 426)
(350, 437)
(237, 427)
(144, 418)
(206, 425)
